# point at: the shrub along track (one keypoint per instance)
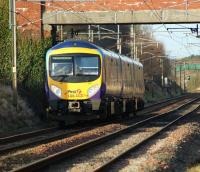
(84, 146)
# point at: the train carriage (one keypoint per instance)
(86, 80)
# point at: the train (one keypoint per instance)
(84, 80)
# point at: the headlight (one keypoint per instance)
(93, 90)
(56, 90)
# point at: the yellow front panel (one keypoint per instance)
(75, 91)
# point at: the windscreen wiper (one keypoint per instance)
(63, 77)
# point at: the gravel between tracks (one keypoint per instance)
(91, 160)
(168, 108)
(173, 151)
(19, 158)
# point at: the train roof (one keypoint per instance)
(75, 43)
(128, 59)
(86, 44)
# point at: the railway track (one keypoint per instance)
(27, 135)
(165, 101)
(153, 107)
(166, 124)
(24, 140)
(161, 119)
(30, 139)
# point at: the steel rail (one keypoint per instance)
(162, 104)
(136, 147)
(21, 136)
(49, 139)
(165, 101)
(53, 138)
(38, 165)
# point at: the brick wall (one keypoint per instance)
(32, 11)
(121, 5)
(26, 14)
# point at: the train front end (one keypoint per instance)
(74, 78)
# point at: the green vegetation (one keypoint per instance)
(31, 64)
(192, 72)
(30, 56)
(5, 41)
(30, 68)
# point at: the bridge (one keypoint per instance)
(121, 12)
(33, 14)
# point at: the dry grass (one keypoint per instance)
(10, 118)
(157, 93)
(194, 169)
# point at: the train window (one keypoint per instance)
(86, 66)
(74, 68)
(61, 66)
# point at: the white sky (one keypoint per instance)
(178, 43)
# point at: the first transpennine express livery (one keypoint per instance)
(84, 79)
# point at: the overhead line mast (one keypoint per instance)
(13, 26)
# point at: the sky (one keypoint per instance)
(179, 42)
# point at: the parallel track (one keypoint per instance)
(43, 140)
(27, 135)
(165, 101)
(153, 107)
(66, 154)
(136, 147)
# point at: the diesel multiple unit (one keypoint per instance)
(83, 78)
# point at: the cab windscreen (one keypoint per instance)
(74, 68)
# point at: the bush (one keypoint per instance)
(5, 41)
(30, 58)
(31, 64)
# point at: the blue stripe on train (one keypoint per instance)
(74, 43)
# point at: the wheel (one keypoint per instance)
(141, 105)
(118, 107)
(130, 109)
(134, 104)
(105, 112)
(127, 112)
